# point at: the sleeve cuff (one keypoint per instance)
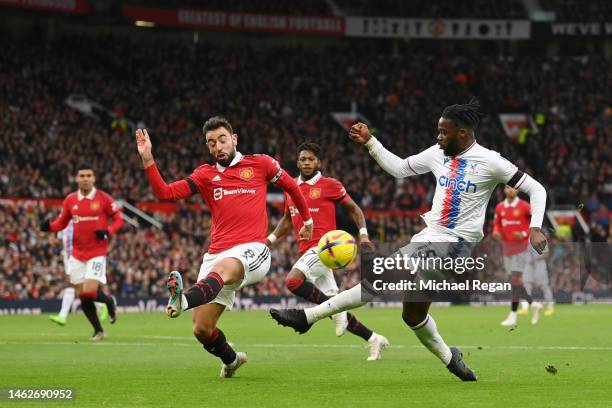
(371, 143)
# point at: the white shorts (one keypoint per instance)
(536, 273)
(435, 244)
(94, 268)
(255, 258)
(317, 273)
(516, 263)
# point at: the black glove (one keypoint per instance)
(45, 226)
(102, 234)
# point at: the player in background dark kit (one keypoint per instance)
(89, 210)
(309, 278)
(234, 189)
(511, 226)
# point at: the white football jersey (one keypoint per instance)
(66, 236)
(464, 184)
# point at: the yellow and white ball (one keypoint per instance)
(337, 249)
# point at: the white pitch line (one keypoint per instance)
(294, 345)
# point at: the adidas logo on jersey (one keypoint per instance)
(216, 178)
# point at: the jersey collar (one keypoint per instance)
(466, 150)
(514, 203)
(235, 160)
(89, 196)
(313, 180)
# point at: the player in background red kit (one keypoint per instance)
(309, 278)
(89, 209)
(511, 226)
(234, 189)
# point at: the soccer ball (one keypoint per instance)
(337, 249)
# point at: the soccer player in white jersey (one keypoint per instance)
(536, 276)
(466, 174)
(69, 293)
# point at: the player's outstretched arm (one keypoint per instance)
(173, 191)
(537, 199)
(358, 217)
(283, 228)
(392, 164)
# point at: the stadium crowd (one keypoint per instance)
(275, 97)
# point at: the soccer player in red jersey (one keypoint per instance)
(89, 209)
(234, 190)
(511, 226)
(309, 278)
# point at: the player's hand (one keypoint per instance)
(496, 236)
(360, 133)
(306, 232)
(45, 226)
(145, 148)
(519, 235)
(538, 240)
(365, 245)
(102, 234)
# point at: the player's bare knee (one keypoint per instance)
(413, 314)
(203, 331)
(230, 270)
(409, 318)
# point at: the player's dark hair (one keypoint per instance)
(215, 123)
(83, 166)
(464, 115)
(311, 147)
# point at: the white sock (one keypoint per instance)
(372, 337)
(512, 314)
(349, 299)
(98, 306)
(427, 332)
(548, 296)
(184, 303)
(528, 287)
(67, 300)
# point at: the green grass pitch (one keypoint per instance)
(150, 360)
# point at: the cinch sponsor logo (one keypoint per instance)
(76, 219)
(294, 211)
(458, 185)
(220, 192)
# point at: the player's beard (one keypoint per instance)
(228, 160)
(452, 148)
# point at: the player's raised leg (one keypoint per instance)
(416, 316)
(225, 272)
(298, 284)
(205, 318)
(357, 296)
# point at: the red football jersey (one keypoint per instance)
(235, 195)
(510, 219)
(322, 194)
(88, 214)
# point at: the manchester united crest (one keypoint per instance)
(315, 193)
(95, 205)
(246, 173)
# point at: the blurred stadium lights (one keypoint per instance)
(140, 23)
